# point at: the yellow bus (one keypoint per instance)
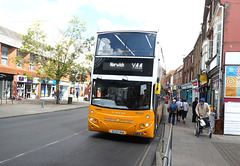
(126, 83)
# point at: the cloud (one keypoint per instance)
(105, 24)
(21, 15)
(178, 21)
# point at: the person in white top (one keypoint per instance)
(180, 109)
(185, 110)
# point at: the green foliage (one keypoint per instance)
(56, 62)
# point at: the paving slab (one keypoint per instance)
(189, 150)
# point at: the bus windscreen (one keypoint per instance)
(126, 44)
(127, 95)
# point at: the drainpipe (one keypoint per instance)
(220, 68)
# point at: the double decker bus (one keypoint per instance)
(126, 83)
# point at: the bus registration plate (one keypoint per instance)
(118, 132)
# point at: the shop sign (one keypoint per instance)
(195, 83)
(203, 78)
(29, 81)
(62, 83)
(50, 82)
(21, 78)
(232, 81)
(188, 86)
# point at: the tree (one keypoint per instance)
(58, 61)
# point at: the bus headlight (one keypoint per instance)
(94, 120)
(143, 125)
(147, 116)
(92, 111)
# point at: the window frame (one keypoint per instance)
(3, 57)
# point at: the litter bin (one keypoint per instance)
(69, 100)
(218, 126)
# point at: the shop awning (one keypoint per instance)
(8, 77)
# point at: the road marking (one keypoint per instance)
(145, 154)
(41, 147)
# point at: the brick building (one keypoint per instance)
(187, 78)
(14, 83)
(177, 81)
(197, 56)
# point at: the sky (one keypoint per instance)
(178, 21)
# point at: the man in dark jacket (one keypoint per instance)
(194, 104)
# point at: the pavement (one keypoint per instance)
(37, 106)
(189, 150)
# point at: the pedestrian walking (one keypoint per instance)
(172, 110)
(180, 110)
(203, 110)
(166, 99)
(194, 104)
(185, 110)
(77, 94)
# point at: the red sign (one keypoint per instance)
(195, 83)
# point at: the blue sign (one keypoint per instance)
(231, 71)
(50, 82)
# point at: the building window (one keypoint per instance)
(217, 38)
(20, 56)
(218, 43)
(204, 56)
(191, 75)
(4, 58)
(192, 58)
(31, 64)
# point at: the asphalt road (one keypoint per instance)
(62, 138)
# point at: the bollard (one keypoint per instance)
(43, 104)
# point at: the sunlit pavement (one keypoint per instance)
(37, 106)
(189, 150)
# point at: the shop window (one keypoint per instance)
(4, 58)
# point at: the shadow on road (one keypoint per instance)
(122, 138)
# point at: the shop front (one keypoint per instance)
(232, 99)
(64, 88)
(48, 88)
(204, 92)
(27, 88)
(187, 92)
(6, 85)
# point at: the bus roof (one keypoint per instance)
(127, 30)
